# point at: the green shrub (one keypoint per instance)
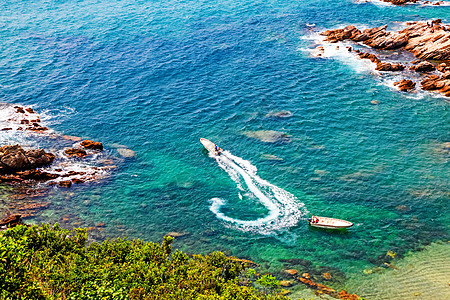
(48, 262)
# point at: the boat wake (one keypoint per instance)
(284, 208)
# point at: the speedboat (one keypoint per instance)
(329, 223)
(211, 147)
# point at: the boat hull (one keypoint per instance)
(329, 223)
(210, 146)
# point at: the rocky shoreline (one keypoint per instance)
(28, 173)
(427, 41)
(405, 2)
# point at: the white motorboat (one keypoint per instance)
(329, 223)
(211, 147)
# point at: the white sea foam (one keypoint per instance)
(340, 52)
(95, 166)
(284, 209)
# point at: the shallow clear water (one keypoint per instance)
(156, 77)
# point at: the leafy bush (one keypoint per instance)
(45, 262)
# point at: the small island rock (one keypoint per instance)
(88, 144)
(405, 85)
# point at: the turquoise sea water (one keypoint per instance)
(155, 77)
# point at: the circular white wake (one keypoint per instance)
(284, 208)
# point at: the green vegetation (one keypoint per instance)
(45, 262)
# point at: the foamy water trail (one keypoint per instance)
(284, 209)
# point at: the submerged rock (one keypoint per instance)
(291, 272)
(268, 136)
(175, 234)
(286, 283)
(125, 152)
(271, 157)
(280, 114)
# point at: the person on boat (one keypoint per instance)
(314, 220)
(217, 149)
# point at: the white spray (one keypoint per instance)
(284, 208)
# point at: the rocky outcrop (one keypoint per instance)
(436, 83)
(75, 152)
(427, 41)
(372, 57)
(405, 85)
(424, 40)
(443, 67)
(423, 66)
(385, 66)
(14, 158)
(10, 221)
(88, 144)
(400, 2)
(29, 119)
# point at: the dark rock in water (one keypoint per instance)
(423, 66)
(77, 180)
(75, 152)
(88, 144)
(10, 221)
(405, 85)
(37, 175)
(19, 109)
(400, 2)
(373, 58)
(14, 158)
(385, 66)
(65, 183)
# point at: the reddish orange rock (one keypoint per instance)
(65, 183)
(292, 272)
(423, 66)
(405, 85)
(346, 296)
(75, 152)
(385, 66)
(88, 144)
